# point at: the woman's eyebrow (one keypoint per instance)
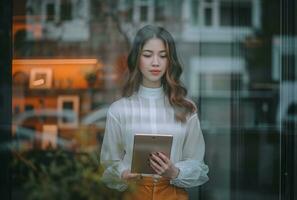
(147, 51)
(150, 51)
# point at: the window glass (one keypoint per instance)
(50, 12)
(160, 10)
(127, 10)
(143, 13)
(195, 11)
(66, 10)
(236, 13)
(208, 16)
(70, 63)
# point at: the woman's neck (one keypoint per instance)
(147, 84)
(149, 92)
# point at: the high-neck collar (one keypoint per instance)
(151, 93)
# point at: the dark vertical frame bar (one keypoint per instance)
(237, 141)
(5, 95)
(288, 137)
(237, 137)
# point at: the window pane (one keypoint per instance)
(235, 13)
(66, 10)
(194, 11)
(208, 17)
(127, 10)
(160, 10)
(70, 64)
(143, 13)
(50, 12)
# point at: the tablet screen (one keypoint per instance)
(144, 145)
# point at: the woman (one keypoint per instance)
(154, 102)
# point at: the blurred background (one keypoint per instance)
(69, 63)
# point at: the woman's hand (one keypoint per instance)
(162, 165)
(127, 176)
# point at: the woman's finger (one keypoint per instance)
(156, 167)
(129, 176)
(158, 160)
(163, 157)
(133, 175)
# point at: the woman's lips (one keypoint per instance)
(155, 72)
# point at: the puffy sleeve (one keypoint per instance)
(112, 154)
(193, 170)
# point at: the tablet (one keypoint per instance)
(144, 144)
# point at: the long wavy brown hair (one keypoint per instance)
(171, 83)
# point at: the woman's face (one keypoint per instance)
(153, 62)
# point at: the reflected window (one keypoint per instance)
(127, 10)
(207, 9)
(66, 20)
(59, 10)
(67, 105)
(159, 10)
(145, 10)
(66, 10)
(50, 12)
(144, 13)
(142, 10)
(195, 12)
(235, 13)
(208, 17)
(222, 13)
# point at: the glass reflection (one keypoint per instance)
(70, 63)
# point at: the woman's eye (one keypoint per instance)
(163, 56)
(146, 55)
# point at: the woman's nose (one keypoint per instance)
(155, 61)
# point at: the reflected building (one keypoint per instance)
(63, 20)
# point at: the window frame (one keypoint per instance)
(214, 6)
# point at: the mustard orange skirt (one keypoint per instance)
(150, 188)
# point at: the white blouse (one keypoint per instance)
(149, 111)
